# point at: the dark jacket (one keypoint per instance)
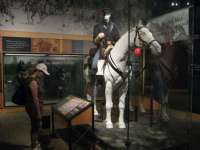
(110, 30)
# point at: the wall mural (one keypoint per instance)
(172, 30)
(5, 10)
(171, 27)
(66, 16)
(45, 46)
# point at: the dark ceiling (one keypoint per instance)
(159, 7)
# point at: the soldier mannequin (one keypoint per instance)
(105, 35)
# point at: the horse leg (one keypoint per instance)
(164, 101)
(122, 96)
(161, 86)
(89, 97)
(94, 99)
(164, 114)
(109, 104)
(141, 106)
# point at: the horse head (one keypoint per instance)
(143, 37)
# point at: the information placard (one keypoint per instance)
(71, 107)
(16, 44)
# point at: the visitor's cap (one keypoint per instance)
(42, 67)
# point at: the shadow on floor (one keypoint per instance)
(8, 146)
(82, 136)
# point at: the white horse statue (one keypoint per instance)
(115, 71)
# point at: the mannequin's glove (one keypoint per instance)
(101, 35)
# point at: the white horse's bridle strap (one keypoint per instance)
(112, 63)
(137, 34)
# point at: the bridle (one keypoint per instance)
(137, 34)
(144, 43)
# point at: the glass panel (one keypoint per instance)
(0, 72)
(166, 78)
(156, 108)
(1, 78)
(65, 78)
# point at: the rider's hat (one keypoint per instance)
(106, 11)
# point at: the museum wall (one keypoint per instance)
(48, 42)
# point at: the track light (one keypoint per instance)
(172, 4)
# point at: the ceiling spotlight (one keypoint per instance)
(172, 4)
(176, 4)
(188, 3)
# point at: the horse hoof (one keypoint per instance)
(131, 108)
(142, 110)
(96, 113)
(122, 125)
(109, 125)
(165, 118)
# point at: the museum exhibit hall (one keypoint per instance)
(99, 75)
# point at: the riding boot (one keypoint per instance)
(100, 65)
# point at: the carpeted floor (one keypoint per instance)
(15, 133)
(15, 126)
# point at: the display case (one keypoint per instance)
(143, 99)
(1, 79)
(158, 104)
(66, 75)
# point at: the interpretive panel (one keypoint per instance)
(71, 107)
(16, 44)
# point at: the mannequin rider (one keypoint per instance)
(105, 35)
